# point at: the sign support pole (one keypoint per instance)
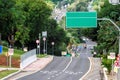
(39, 42)
(44, 47)
(10, 59)
(112, 68)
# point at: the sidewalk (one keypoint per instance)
(96, 70)
(39, 64)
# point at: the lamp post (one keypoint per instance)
(53, 48)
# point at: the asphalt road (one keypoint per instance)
(64, 68)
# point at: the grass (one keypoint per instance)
(41, 55)
(6, 73)
(17, 53)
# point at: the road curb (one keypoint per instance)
(105, 75)
(15, 73)
(88, 70)
(11, 75)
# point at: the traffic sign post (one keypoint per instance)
(117, 65)
(44, 35)
(10, 53)
(44, 39)
(112, 56)
(37, 42)
(117, 62)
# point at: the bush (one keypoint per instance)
(107, 63)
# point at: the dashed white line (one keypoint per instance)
(64, 68)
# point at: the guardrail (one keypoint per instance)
(28, 58)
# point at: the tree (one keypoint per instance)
(108, 34)
(7, 17)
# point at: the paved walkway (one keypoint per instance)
(39, 64)
(32, 68)
(96, 70)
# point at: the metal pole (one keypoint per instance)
(37, 48)
(44, 47)
(39, 42)
(10, 61)
(53, 49)
(112, 68)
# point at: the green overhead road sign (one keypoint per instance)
(81, 19)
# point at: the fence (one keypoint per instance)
(28, 58)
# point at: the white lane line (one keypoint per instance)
(87, 71)
(48, 78)
(68, 65)
(64, 68)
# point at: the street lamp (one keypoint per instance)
(53, 48)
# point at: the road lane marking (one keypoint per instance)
(73, 73)
(88, 70)
(48, 78)
(68, 65)
(64, 68)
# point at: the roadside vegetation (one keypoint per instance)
(107, 34)
(25, 19)
(6, 73)
(4, 57)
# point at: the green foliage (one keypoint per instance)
(42, 55)
(78, 5)
(25, 19)
(17, 53)
(6, 73)
(107, 33)
(107, 63)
